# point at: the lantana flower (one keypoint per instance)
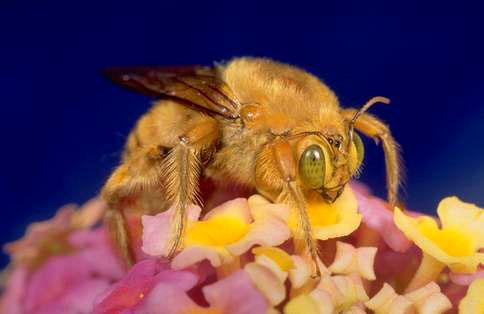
(456, 244)
(427, 299)
(47, 238)
(61, 265)
(239, 258)
(223, 234)
(67, 283)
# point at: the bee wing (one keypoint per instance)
(197, 86)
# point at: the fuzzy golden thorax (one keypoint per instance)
(278, 100)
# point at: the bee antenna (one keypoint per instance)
(367, 106)
(363, 109)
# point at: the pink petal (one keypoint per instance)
(466, 279)
(96, 251)
(166, 299)
(13, 298)
(77, 300)
(59, 274)
(236, 294)
(378, 217)
(26, 248)
(157, 230)
(138, 283)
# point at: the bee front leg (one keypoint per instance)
(277, 168)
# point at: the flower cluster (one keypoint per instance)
(243, 257)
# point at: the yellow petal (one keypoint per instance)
(302, 304)
(269, 263)
(456, 214)
(451, 246)
(218, 230)
(473, 302)
(283, 260)
(333, 220)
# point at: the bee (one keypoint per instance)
(252, 121)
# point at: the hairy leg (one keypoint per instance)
(118, 232)
(379, 131)
(277, 168)
(168, 175)
(182, 168)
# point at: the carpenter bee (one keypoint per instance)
(253, 121)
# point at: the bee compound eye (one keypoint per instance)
(312, 167)
(360, 149)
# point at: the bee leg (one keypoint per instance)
(138, 174)
(141, 172)
(118, 232)
(182, 168)
(293, 195)
(376, 129)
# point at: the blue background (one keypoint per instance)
(63, 125)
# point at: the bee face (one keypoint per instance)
(326, 163)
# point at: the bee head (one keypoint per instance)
(327, 163)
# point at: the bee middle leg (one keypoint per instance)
(136, 176)
(182, 168)
(118, 231)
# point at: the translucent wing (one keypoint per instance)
(196, 86)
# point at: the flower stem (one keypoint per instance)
(225, 270)
(428, 270)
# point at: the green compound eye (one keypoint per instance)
(312, 167)
(360, 149)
